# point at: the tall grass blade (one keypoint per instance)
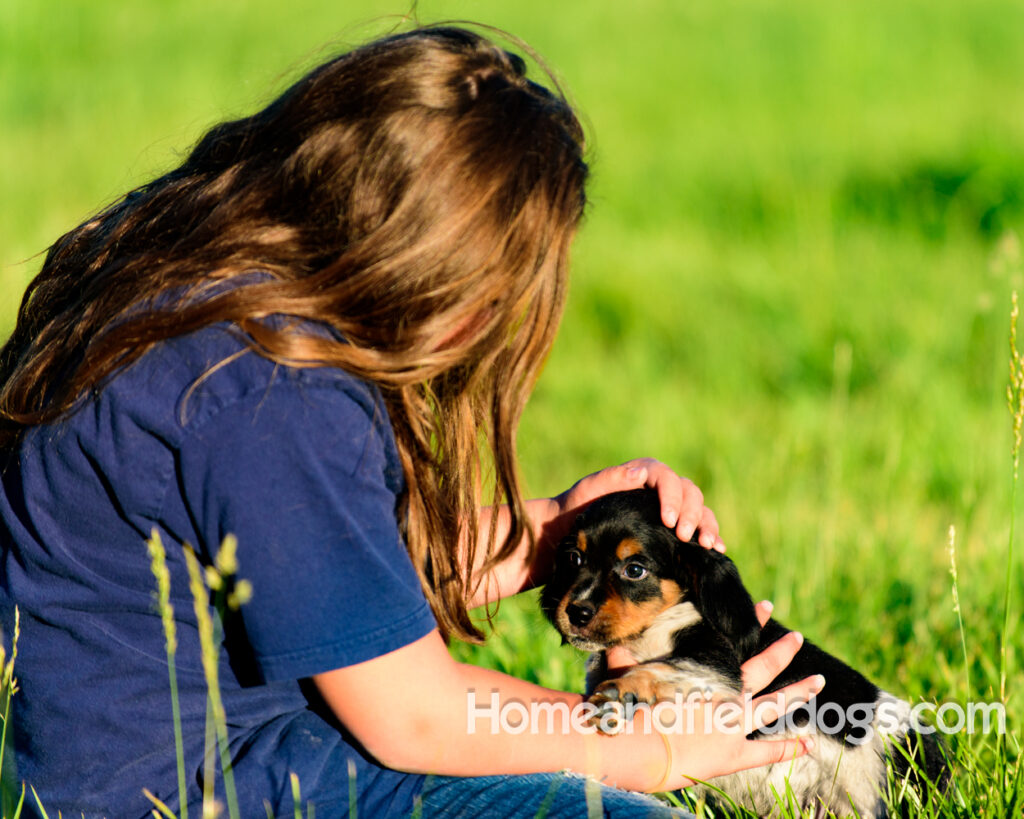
(1015, 402)
(8, 688)
(39, 804)
(352, 792)
(161, 808)
(21, 803)
(158, 565)
(549, 798)
(209, 641)
(297, 795)
(592, 794)
(957, 609)
(209, 809)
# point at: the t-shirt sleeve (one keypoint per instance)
(298, 472)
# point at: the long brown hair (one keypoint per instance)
(418, 196)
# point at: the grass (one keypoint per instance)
(793, 284)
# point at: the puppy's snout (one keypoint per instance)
(580, 614)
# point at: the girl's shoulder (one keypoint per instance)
(194, 377)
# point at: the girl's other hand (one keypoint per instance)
(682, 503)
(715, 752)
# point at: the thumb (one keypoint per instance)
(630, 475)
(636, 474)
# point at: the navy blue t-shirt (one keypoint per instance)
(300, 465)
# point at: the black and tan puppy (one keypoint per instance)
(622, 578)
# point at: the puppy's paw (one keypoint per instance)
(648, 682)
(609, 717)
(615, 699)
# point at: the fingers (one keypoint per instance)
(760, 752)
(618, 658)
(762, 668)
(709, 537)
(721, 751)
(763, 611)
(768, 708)
(630, 475)
(682, 504)
(636, 473)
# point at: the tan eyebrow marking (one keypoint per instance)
(628, 547)
(581, 541)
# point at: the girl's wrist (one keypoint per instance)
(642, 761)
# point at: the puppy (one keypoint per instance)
(622, 578)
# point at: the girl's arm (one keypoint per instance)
(411, 709)
(682, 507)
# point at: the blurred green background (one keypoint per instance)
(793, 282)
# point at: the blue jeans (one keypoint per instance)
(536, 796)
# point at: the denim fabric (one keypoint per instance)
(536, 796)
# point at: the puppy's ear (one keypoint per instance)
(722, 599)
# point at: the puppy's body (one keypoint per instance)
(622, 578)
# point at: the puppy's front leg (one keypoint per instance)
(658, 681)
(648, 683)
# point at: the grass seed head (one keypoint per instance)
(952, 568)
(240, 595)
(1015, 389)
(204, 620)
(158, 565)
(214, 579)
(7, 680)
(227, 557)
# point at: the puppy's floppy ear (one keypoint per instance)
(721, 598)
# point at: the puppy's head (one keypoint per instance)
(620, 569)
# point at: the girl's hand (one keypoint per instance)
(713, 753)
(682, 508)
(682, 503)
(412, 709)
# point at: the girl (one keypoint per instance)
(302, 336)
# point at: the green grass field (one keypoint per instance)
(793, 284)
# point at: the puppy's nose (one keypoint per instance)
(579, 613)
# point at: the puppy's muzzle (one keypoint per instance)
(580, 614)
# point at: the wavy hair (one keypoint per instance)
(417, 196)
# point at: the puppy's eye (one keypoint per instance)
(634, 571)
(572, 558)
